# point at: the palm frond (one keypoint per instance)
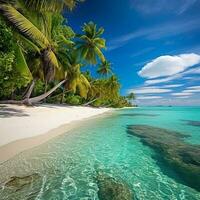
(21, 65)
(83, 86)
(24, 25)
(28, 43)
(52, 58)
(100, 54)
(104, 68)
(51, 5)
(101, 43)
(45, 5)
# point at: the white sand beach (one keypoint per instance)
(24, 127)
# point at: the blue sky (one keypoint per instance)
(154, 46)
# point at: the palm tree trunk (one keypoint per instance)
(30, 90)
(63, 95)
(45, 95)
(45, 90)
(88, 103)
(33, 100)
(109, 105)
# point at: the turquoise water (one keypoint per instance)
(68, 164)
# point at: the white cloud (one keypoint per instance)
(172, 86)
(192, 91)
(169, 65)
(194, 87)
(156, 81)
(148, 97)
(149, 90)
(195, 70)
(183, 97)
(182, 94)
(179, 101)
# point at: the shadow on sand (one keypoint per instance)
(6, 112)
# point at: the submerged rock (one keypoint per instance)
(17, 183)
(138, 114)
(183, 157)
(192, 122)
(111, 189)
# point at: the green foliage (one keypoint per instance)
(10, 77)
(106, 93)
(6, 41)
(61, 33)
(131, 96)
(76, 81)
(42, 47)
(74, 100)
(104, 68)
(39, 88)
(88, 76)
(121, 102)
(54, 100)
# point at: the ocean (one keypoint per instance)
(102, 153)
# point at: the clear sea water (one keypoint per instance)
(68, 163)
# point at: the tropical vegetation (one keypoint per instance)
(43, 60)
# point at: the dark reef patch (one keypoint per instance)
(138, 115)
(112, 189)
(182, 157)
(18, 183)
(192, 122)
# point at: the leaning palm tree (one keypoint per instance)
(90, 44)
(104, 68)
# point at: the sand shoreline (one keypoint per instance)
(37, 125)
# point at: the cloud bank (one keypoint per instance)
(149, 90)
(169, 65)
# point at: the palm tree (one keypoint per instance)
(105, 90)
(34, 27)
(104, 68)
(75, 79)
(130, 96)
(113, 87)
(90, 44)
(30, 33)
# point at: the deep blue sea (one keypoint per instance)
(67, 165)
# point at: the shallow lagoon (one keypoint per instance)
(68, 165)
